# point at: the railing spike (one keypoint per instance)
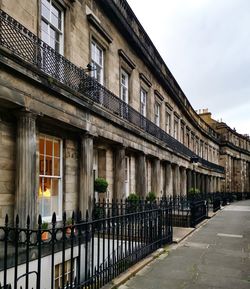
(64, 218)
(17, 222)
(54, 218)
(28, 221)
(6, 220)
(39, 220)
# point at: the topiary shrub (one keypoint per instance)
(133, 197)
(193, 193)
(100, 185)
(132, 203)
(151, 197)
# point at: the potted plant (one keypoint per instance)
(193, 193)
(132, 202)
(45, 233)
(151, 197)
(100, 187)
(69, 226)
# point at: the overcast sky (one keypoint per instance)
(206, 45)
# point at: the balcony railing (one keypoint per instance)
(31, 49)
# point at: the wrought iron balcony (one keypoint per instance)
(28, 47)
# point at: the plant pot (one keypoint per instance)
(102, 196)
(45, 236)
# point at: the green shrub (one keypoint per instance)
(193, 193)
(133, 197)
(100, 185)
(44, 226)
(132, 203)
(151, 197)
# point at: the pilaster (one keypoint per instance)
(141, 179)
(119, 172)
(26, 195)
(86, 193)
(155, 177)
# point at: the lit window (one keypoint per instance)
(67, 273)
(97, 61)
(50, 177)
(157, 113)
(52, 25)
(124, 86)
(143, 102)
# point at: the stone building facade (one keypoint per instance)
(234, 155)
(136, 128)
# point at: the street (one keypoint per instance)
(217, 255)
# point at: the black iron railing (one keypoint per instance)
(24, 44)
(82, 253)
(186, 212)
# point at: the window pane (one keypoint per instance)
(45, 9)
(48, 147)
(55, 187)
(41, 165)
(48, 166)
(56, 148)
(57, 284)
(56, 271)
(41, 145)
(55, 17)
(47, 188)
(56, 167)
(45, 35)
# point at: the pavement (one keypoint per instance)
(216, 255)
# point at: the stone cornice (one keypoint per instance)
(123, 17)
(92, 20)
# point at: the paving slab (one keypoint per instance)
(216, 255)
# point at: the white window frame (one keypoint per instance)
(143, 102)
(98, 64)
(157, 113)
(66, 273)
(124, 83)
(168, 121)
(127, 176)
(50, 25)
(59, 177)
(176, 128)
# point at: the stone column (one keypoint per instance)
(206, 183)
(86, 192)
(209, 184)
(176, 180)
(169, 179)
(194, 180)
(183, 181)
(141, 179)
(219, 184)
(26, 172)
(202, 184)
(199, 181)
(119, 173)
(189, 180)
(156, 176)
(214, 184)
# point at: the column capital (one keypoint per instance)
(26, 113)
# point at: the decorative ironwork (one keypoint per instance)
(96, 250)
(24, 44)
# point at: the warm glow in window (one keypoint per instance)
(49, 193)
